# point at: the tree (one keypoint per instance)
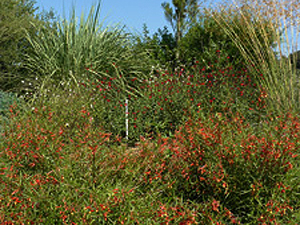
(160, 46)
(181, 17)
(203, 40)
(15, 17)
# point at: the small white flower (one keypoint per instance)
(22, 82)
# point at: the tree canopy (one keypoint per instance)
(16, 20)
(181, 16)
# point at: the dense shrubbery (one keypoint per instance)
(166, 100)
(208, 147)
(6, 100)
(211, 170)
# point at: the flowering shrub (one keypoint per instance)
(166, 100)
(207, 147)
(56, 166)
(226, 165)
(206, 153)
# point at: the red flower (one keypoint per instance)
(215, 205)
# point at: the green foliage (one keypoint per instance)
(58, 55)
(165, 100)
(183, 15)
(206, 149)
(207, 36)
(15, 17)
(256, 30)
(203, 40)
(6, 101)
(160, 47)
(212, 170)
(295, 59)
(18, 17)
(234, 167)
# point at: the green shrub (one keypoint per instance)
(241, 175)
(164, 101)
(6, 100)
(59, 166)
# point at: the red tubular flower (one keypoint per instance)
(215, 205)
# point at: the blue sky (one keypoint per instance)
(132, 13)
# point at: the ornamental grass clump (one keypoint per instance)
(63, 54)
(266, 33)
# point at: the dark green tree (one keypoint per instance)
(160, 46)
(16, 16)
(17, 19)
(204, 41)
(294, 59)
(182, 15)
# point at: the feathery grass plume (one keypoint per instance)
(257, 28)
(66, 53)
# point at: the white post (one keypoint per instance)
(126, 116)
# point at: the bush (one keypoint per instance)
(235, 173)
(212, 170)
(207, 151)
(163, 102)
(6, 100)
(202, 41)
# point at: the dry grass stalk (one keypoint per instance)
(265, 31)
